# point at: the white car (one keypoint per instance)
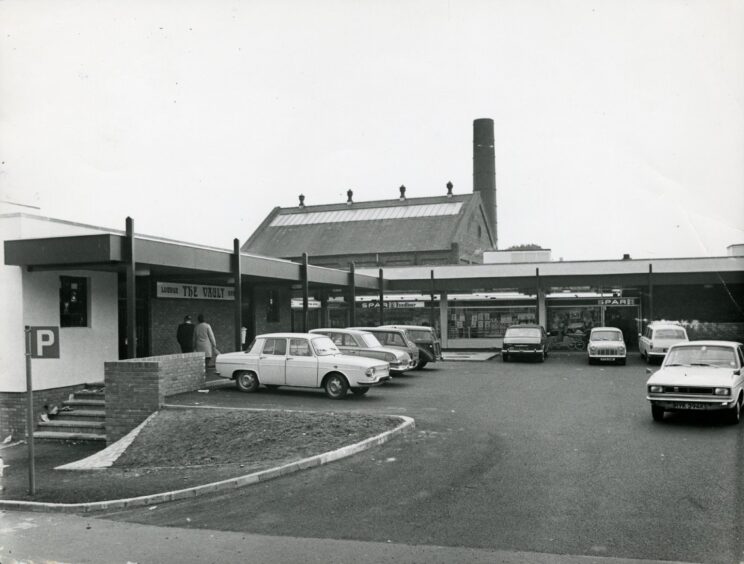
(363, 343)
(301, 360)
(699, 375)
(654, 342)
(606, 344)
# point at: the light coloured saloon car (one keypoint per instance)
(363, 343)
(699, 376)
(654, 342)
(302, 360)
(606, 344)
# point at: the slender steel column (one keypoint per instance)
(352, 295)
(238, 295)
(432, 312)
(382, 298)
(537, 296)
(305, 293)
(131, 290)
(650, 293)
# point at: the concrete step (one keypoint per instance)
(86, 414)
(73, 426)
(85, 402)
(62, 436)
(89, 394)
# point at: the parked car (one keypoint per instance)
(654, 342)
(302, 360)
(394, 338)
(606, 344)
(430, 349)
(363, 343)
(525, 340)
(699, 376)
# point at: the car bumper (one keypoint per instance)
(532, 351)
(607, 357)
(378, 380)
(683, 404)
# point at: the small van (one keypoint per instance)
(655, 341)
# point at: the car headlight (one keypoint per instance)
(390, 357)
(592, 349)
(621, 350)
(370, 371)
(656, 389)
(722, 391)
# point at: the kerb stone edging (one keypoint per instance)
(407, 424)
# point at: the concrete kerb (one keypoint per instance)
(406, 425)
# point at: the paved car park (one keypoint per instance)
(556, 457)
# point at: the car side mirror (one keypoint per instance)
(737, 372)
(649, 371)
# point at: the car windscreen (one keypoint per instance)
(370, 340)
(701, 355)
(523, 332)
(669, 334)
(323, 346)
(420, 335)
(606, 336)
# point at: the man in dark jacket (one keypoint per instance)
(185, 335)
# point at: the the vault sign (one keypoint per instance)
(44, 342)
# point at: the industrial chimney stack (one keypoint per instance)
(484, 170)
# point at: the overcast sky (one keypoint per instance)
(619, 124)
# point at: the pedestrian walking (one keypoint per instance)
(204, 340)
(185, 335)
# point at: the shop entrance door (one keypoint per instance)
(624, 318)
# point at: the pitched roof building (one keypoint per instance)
(447, 229)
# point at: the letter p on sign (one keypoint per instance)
(44, 342)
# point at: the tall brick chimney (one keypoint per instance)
(484, 170)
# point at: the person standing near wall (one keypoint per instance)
(204, 340)
(185, 335)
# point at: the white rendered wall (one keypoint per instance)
(32, 298)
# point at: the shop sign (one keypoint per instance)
(392, 305)
(617, 302)
(194, 291)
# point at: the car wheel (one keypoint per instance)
(648, 358)
(505, 357)
(336, 386)
(657, 412)
(541, 358)
(621, 361)
(359, 391)
(421, 363)
(246, 381)
(591, 361)
(734, 414)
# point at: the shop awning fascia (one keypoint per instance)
(106, 251)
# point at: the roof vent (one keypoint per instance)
(349, 194)
(626, 256)
(402, 192)
(302, 200)
(449, 189)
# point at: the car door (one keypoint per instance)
(302, 364)
(272, 362)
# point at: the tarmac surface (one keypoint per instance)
(509, 462)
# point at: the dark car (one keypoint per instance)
(395, 338)
(430, 349)
(525, 341)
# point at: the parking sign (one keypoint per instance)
(44, 342)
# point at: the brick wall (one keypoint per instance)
(13, 408)
(136, 388)
(167, 314)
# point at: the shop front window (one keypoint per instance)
(73, 302)
(569, 326)
(486, 322)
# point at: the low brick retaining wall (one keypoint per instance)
(137, 387)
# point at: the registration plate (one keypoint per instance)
(606, 359)
(685, 405)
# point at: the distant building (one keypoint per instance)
(447, 229)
